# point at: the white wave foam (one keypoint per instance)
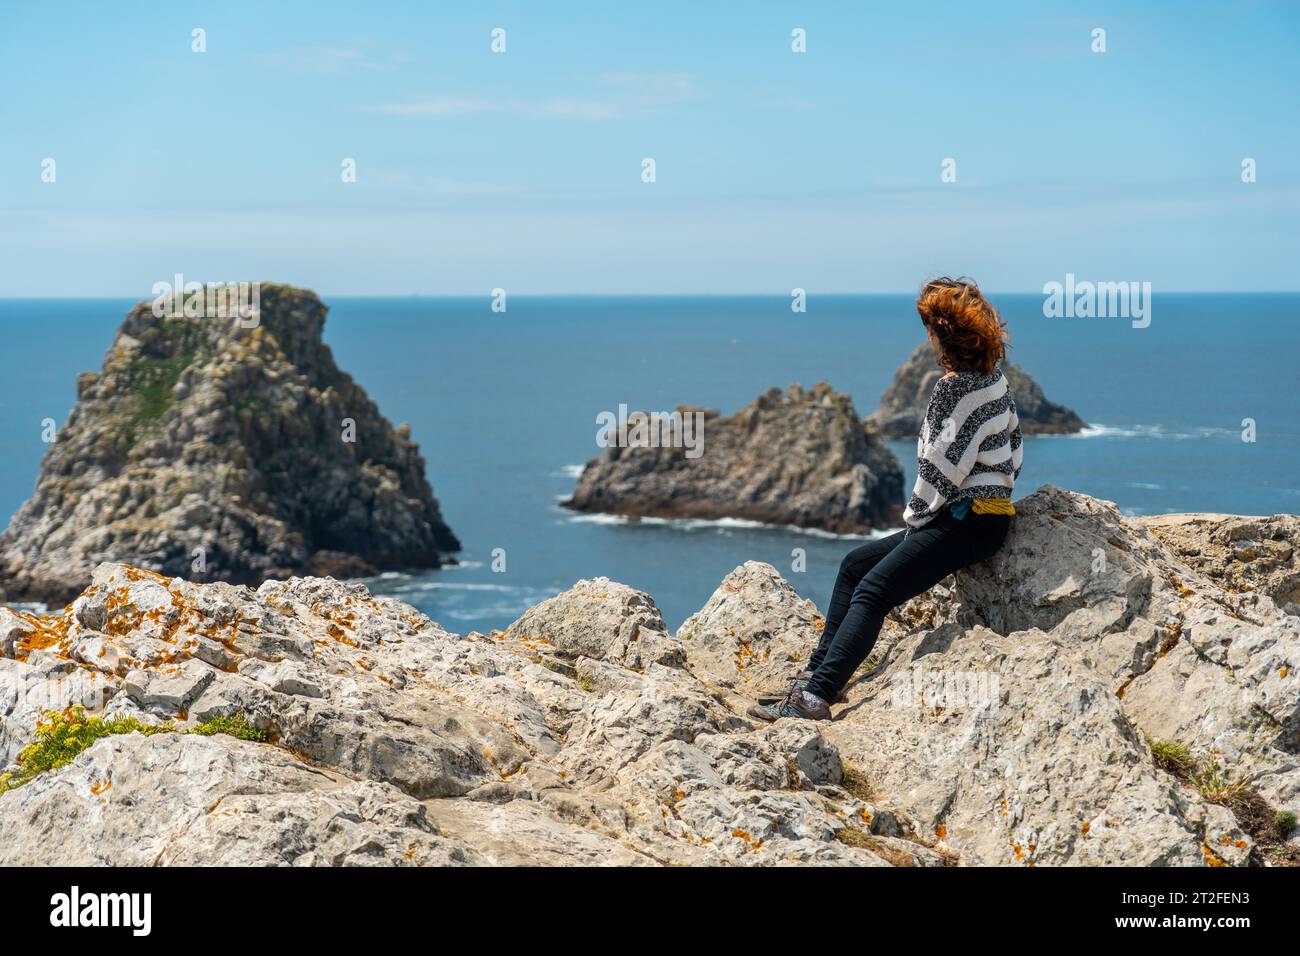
(1149, 431)
(722, 524)
(416, 587)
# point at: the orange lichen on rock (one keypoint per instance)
(132, 573)
(48, 632)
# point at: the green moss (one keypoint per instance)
(62, 735)
(152, 380)
(1285, 822)
(586, 683)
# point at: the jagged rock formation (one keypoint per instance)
(903, 405)
(202, 434)
(799, 457)
(1020, 714)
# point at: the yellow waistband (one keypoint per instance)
(992, 506)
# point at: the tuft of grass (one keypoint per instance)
(1208, 778)
(1254, 815)
(1214, 784)
(852, 836)
(63, 734)
(586, 683)
(1171, 754)
(236, 725)
(855, 782)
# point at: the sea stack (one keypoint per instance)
(797, 457)
(903, 405)
(219, 452)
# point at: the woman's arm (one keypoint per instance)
(1017, 453)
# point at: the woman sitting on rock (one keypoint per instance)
(968, 457)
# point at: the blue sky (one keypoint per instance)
(522, 170)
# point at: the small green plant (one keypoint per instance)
(1285, 822)
(63, 734)
(236, 725)
(586, 683)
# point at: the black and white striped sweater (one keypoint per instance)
(969, 446)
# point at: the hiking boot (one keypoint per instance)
(797, 703)
(799, 683)
(767, 712)
(806, 706)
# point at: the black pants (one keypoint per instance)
(883, 574)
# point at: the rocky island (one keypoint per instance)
(219, 452)
(1092, 695)
(797, 457)
(903, 405)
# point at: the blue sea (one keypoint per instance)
(504, 406)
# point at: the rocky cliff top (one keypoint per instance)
(903, 405)
(1085, 697)
(796, 457)
(199, 433)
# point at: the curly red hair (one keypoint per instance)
(972, 336)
